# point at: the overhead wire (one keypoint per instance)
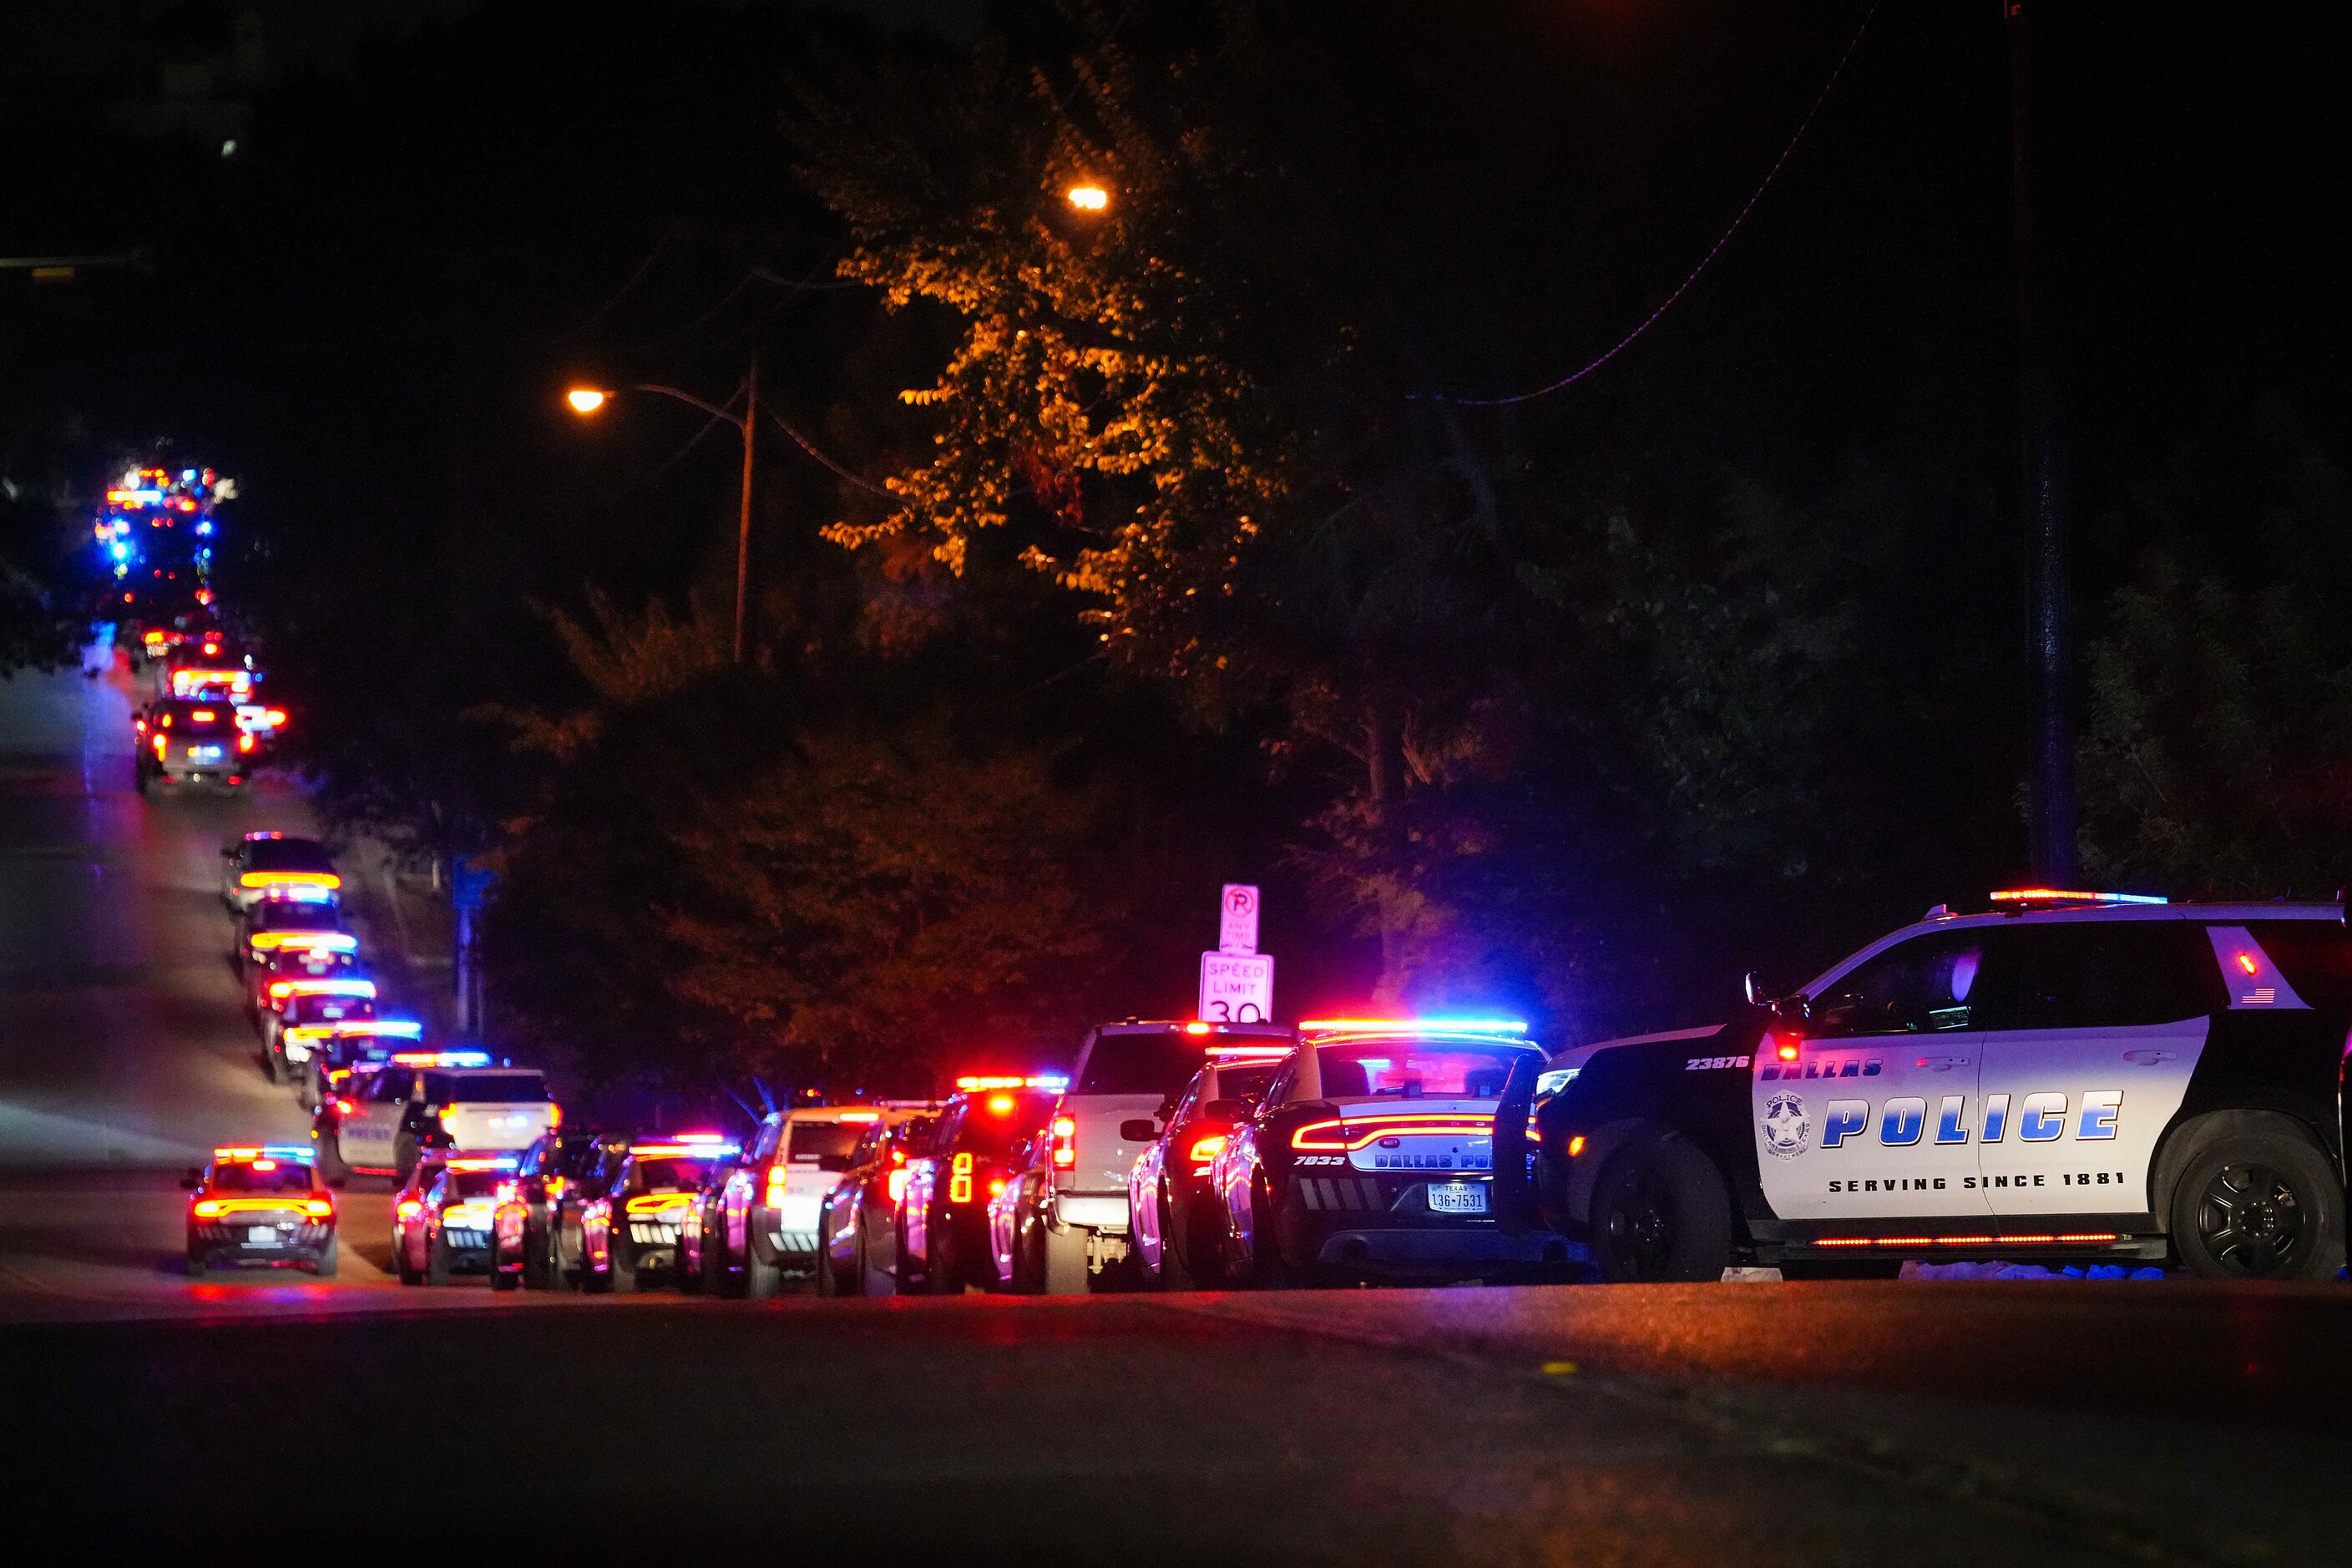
(1770, 175)
(809, 447)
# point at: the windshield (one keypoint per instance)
(1247, 1083)
(475, 1184)
(296, 914)
(995, 1121)
(669, 1175)
(1414, 1069)
(306, 1008)
(263, 1176)
(1161, 1063)
(823, 1139)
(484, 1087)
(287, 854)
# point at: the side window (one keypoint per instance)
(1926, 986)
(2315, 956)
(771, 1135)
(950, 1129)
(391, 1087)
(2102, 974)
(1279, 1089)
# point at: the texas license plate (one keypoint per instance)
(1458, 1197)
(262, 1235)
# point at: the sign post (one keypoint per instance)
(1237, 981)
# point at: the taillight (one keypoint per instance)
(410, 1208)
(1337, 1136)
(207, 1209)
(554, 1115)
(897, 1182)
(317, 1209)
(1207, 1149)
(342, 1108)
(960, 1179)
(448, 1113)
(995, 1186)
(244, 743)
(1066, 1144)
(158, 747)
(776, 1178)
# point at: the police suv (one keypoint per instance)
(2086, 1077)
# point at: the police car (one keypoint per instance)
(283, 865)
(2068, 1076)
(317, 990)
(259, 1206)
(767, 1209)
(1178, 1232)
(990, 1124)
(190, 743)
(631, 1224)
(1372, 1155)
(441, 1221)
(326, 1081)
(452, 1100)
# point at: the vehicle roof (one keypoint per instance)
(2236, 913)
(1163, 1026)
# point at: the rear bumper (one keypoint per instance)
(232, 1244)
(1082, 1211)
(1383, 1226)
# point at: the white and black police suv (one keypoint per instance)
(2070, 1077)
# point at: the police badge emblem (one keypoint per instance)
(1786, 1129)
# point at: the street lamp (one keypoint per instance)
(1089, 197)
(586, 401)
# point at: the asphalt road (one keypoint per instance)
(1920, 1423)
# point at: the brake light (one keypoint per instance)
(995, 1186)
(897, 1185)
(1196, 1029)
(960, 1179)
(1066, 1144)
(244, 743)
(1338, 1136)
(411, 1207)
(448, 1113)
(1207, 1149)
(281, 989)
(160, 742)
(317, 1209)
(275, 715)
(555, 1187)
(554, 1115)
(776, 1179)
(207, 1209)
(1000, 1104)
(204, 716)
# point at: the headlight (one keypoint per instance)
(1552, 1082)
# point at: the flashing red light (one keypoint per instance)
(860, 1116)
(1786, 1050)
(265, 1164)
(996, 1186)
(317, 1209)
(244, 743)
(203, 715)
(1196, 1029)
(2246, 962)
(1344, 1136)
(1066, 1144)
(897, 1181)
(160, 740)
(411, 1207)
(1000, 1104)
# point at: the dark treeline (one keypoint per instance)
(1101, 557)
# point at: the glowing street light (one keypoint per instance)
(1090, 198)
(588, 400)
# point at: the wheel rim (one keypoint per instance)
(1639, 1226)
(2250, 1219)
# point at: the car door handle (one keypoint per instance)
(2150, 1059)
(1943, 1064)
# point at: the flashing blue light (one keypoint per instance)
(284, 1152)
(392, 1026)
(204, 528)
(122, 528)
(465, 1058)
(120, 552)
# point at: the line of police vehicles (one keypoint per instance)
(2058, 1077)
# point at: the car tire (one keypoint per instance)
(273, 1065)
(2257, 1199)
(861, 1265)
(828, 1283)
(200, 1262)
(331, 1161)
(1661, 1212)
(1065, 1263)
(403, 1156)
(595, 1281)
(1187, 1267)
(329, 1257)
(537, 1259)
(1269, 1269)
(620, 1269)
(436, 1258)
(762, 1280)
(710, 1270)
(944, 1271)
(502, 1277)
(1172, 1274)
(408, 1275)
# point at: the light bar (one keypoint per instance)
(237, 1153)
(859, 1116)
(289, 880)
(1266, 1052)
(441, 1059)
(323, 988)
(2062, 896)
(1415, 1025)
(353, 1028)
(1053, 1081)
(482, 1163)
(682, 1150)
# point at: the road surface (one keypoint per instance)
(1957, 1423)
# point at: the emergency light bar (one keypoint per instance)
(1053, 1081)
(244, 1152)
(2060, 896)
(1268, 1051)
(441, 1059)
(289, 880)
(1415, 1025)
(683, 1151)
(332, 941)
(482, 1163)
(859, 1116)
(282, 989)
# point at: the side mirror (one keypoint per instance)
(1226, 1110)
(192, 1179)
(1139, 1130)
(1754, 988)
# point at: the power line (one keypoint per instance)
(1646, 323)
(808, 447)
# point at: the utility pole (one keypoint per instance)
(2050, 789)
(743, 524)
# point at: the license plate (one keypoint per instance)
(1458, 1197)
(262, 1235)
